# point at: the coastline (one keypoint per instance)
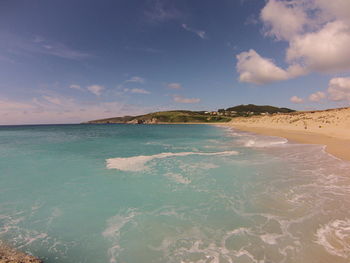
(329, 127)
(337, 147)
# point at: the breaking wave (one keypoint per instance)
(137, 163)
(335, 237)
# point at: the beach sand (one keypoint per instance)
(328, 127)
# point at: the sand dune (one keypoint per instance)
(328, 127)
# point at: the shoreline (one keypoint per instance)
(338, 147)
(327, 127)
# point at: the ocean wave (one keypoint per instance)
(248, 139)
(137, 163)
(335, 237)
(263, 142)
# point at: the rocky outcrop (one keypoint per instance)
(141, 121)
(10, 255)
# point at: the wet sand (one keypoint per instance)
(329, 127)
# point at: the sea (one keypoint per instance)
(170, 194)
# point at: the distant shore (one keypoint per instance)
(329, 127)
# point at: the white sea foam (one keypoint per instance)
(112, 232)
(264, 142)
(197, 247)
(138, 163)
(335, 237)
(257, 141)
(270, 239)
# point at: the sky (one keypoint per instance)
(74, 61)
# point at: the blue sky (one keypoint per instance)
(72, 61)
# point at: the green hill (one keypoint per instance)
(185, 116)
(179, 116)
(252, 109)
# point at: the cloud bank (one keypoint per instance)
(339, 89)
(317, 33)
(55, 108)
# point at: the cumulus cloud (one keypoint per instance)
(199, 33)
(339, 89)
(258, 70)
(317, 33)
(96, 89)
(296, 99)
(174, 86)
(335, 9)
(317, 96)
(326, 50)
(180, 99)
(283, 19)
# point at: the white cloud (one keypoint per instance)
(317, 33)
(339, 89)
(283, 19)
(326, 50)
(317, 96)
(255, 69)
(96, 89)
(296, 99)
(181, 99)
(174, 86)
(75, 86)
(335, 9)
(137, 91)
(135, 79)
(199, 33)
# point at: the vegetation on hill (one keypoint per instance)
(184, 116)
(251, 109)
(167, 117)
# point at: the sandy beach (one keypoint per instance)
(328, 127)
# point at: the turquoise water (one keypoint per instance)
(170, 193)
